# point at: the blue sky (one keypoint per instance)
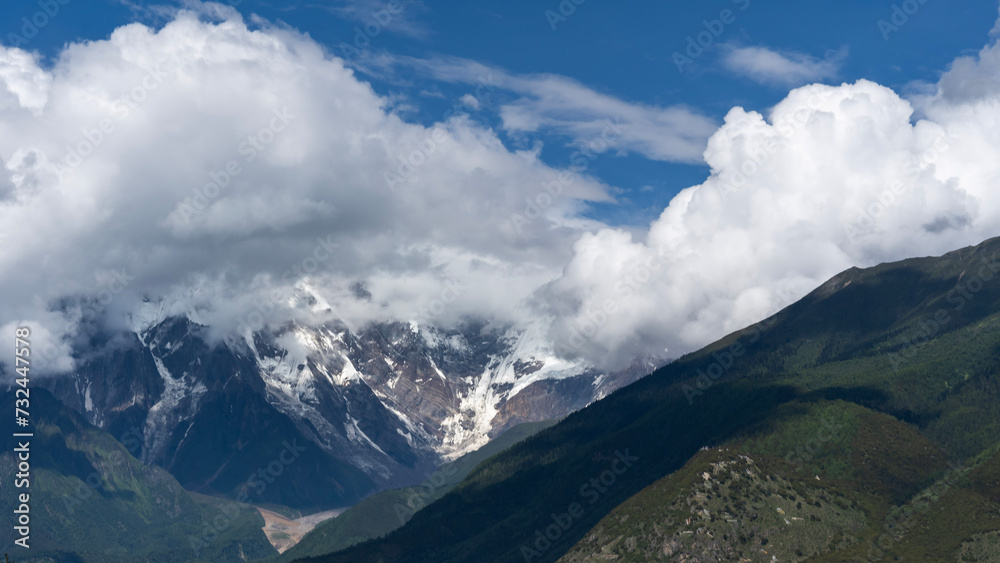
(625, 52)
(492, 104)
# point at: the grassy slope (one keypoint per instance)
(386, 511)
(866, 462)
(947, 387)
(131, 512)
(837, 343)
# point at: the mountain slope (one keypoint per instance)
(202, 412)
(843, 469)
(92, 501)
(375, 408)
(884, 492)
(917, 340)
(386, 511)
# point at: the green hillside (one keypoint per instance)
(757, 498)
(909, 351)
(92, 501)
(386, 511)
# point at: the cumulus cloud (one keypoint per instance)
(768, 66)
(970, 79)
(207, 167)
(211, 169)
(25, 85)
(831, 177)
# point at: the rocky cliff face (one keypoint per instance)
(374, 408)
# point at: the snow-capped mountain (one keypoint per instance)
(365, 409)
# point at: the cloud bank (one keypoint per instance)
(219, 167)
(243, 175)
(832, 177)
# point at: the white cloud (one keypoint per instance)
(560, 105)
(780, 213)
(563, 106)
(107, 155)
(471, 101)
(832, 177)
(25, 85)
(45, 333)
(394, 16)
(968, 81)
(995, 32)
(768, 66)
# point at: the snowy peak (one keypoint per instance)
(389, 401)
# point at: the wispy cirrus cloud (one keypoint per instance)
(782, 68)
(995, 32)
(559, 105)
(396, 16)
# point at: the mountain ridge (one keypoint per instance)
(378, 408)
(834, 344)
